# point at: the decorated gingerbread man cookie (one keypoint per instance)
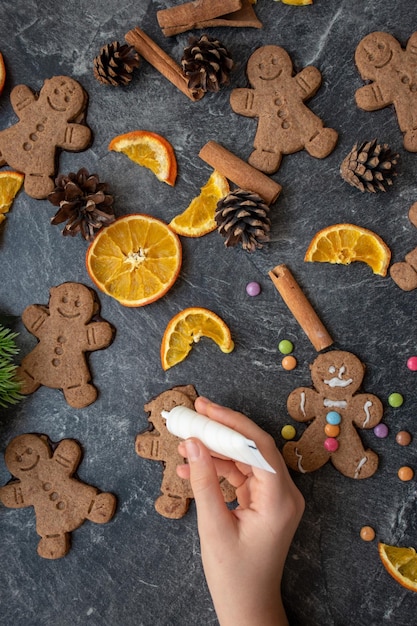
(65, 332)
(392, 71)
(285, 123)
(404, 273)
(335, 412)
(47, 122)
(158, 444)
(46, 481)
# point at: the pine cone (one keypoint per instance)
(242, 217)
(206, 63)
(83, 203)
(369, 166)
(115, 63)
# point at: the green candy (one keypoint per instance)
(285, 346)
(395, 400)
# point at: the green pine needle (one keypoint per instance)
(9, 385)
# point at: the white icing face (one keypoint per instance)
(338, 380)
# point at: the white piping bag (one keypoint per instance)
(184, 423)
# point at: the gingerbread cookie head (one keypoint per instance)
(64, 96)
(72, 301)
(25, 453)
(337, 373)
(268, 66)
(376, 52)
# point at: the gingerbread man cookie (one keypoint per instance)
(47, 122)
(65, 332)
(335, 411)
(404, 273)
(285, 123)
(392, 71)
(158, 444)
(46, 481)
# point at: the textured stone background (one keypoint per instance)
(141, 568)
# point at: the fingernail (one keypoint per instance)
(193, 451)
(203, 400)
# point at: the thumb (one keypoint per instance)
(211, 508)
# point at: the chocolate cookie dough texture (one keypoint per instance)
(48, 122)
(404, 273)
(334, 410)
(44, 479)
(158, 444)
(391, 71)
(66, 331)
(276, 98)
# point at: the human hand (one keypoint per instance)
(243, 550)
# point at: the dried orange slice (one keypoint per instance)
(198, 217)
(401, 563)
(10, 183)
(345, 243)
(136, 259)
(187, 328)
(2, 72)
(297, 3)
(149, 150)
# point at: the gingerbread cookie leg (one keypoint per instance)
(322, 143)
(308, 453)
(356, 462)
(80, 396)
(54, 546)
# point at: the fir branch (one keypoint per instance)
(9, 385)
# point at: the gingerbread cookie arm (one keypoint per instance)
(77, 137)
(367, 410)
(243, 102)
(68, 456)
(301, 404)
(412, 46)
(34, 317)
(21, 97)
(13, 497)
(371, 98)
(99, 335)
(308, 81)
(150, 446)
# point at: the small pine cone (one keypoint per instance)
(242, 217)
(83, 203)
(207, 64)
(115, 63)
(370, 166)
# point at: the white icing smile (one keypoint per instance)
(338, 381)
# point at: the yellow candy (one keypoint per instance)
(288, 432)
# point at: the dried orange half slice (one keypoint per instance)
(401, 563)
(198, 217)
(136, 259)
(149, 150)
(2, 72)
(187, 328)
(10, 183)
(345, 243)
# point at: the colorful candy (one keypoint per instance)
(381, 431)
(289, 362)
(403, 438)
(288, 432)
(395, 400)
(412, 363)
(285, 346)
(405, 473)
(253, 289)
(367, 533)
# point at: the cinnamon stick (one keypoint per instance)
(206, 13)
(161, 61)
(240, 172)
(300, 307)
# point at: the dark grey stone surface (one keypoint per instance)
(141, 568)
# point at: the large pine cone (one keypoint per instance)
(207, 64)
(115, 63)
(83, 203)
(242, 217)
(370, 166)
